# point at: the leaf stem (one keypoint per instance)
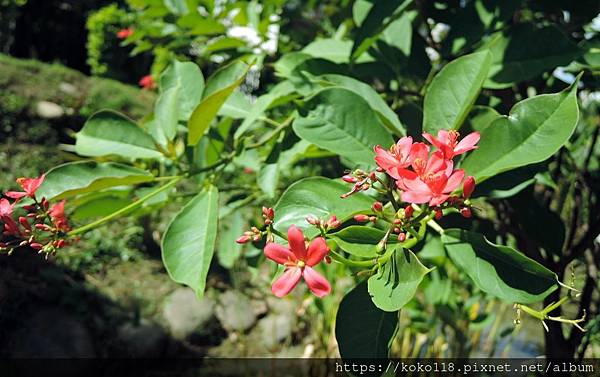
(123, 210)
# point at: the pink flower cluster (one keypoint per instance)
(41, 227)
(426, 177)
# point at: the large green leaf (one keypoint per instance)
(362, 330)
(335, 50)
(164, 125)
(525, 51)
(359, 240)
(178, 7)
(187, 77)
(318, 197)
(189, 241)
(110, 133)
(387, 115)
(218, 89)
(77, 178)
(396, 282)
(342, 122)
(237, 106)
(453, 92)
(499, 270)
(533, 131)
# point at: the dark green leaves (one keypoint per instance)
(361, 329)
(189, 241)
(524, 51)
(77, 178)
(453, 92)
(342, 122)
(499, 270)
(318, 197)
(533, 131)
(396, 282)
(110, 133)
(359, 240)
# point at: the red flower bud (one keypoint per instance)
(311, 220)
(361, 218)
(373, 176)
(243, 239)
(349, 179)
(408, 211)
(397, 230)
(333, 222)
(402, 237)
(24, 223)
(466, 212)
(468, 187)
(36, 246)
(377, 207)
(327, 259)
(268, 213)
(438, 214)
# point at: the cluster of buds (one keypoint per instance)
(461, 203)
(324, 225)
(41, 226)
(361, 180)
(255, 234)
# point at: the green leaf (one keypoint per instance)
(110, 133)
(361, 329)
(218, 89)
(533, 131)
(342, 122)
(386, 115)
(178, 7)
(360, 241)
(318, 197)
(98, 207)
(237, 106)
(453, 92)
(189, 241)
(228, 250)
(334, 50)
(164, 126)
(499, 270)
(76, 178)
(525, 51)
(189, 79)
(396, 281)
(378, 18)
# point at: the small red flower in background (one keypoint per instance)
(147, 82)
(29, 185)
(298, 261)
(125, 33)
(447, 142)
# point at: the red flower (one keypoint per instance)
(400, 156)
(468, 187)
(57, 213)
(6, 209)
(125, 33)
(447, 142)
(147, 82)
(29, 185)
(433, 188)
(298, 261)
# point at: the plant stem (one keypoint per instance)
(123, 210)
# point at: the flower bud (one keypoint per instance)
(268, 213)
(243, 239)
(327, 259)
(468, 187)
(377, 207)
(361, 218)
(36, 246)
(311, 220)
(408, 211)
(396, 230)
(268, 221)
(438, 214)
(24, 223)
(349, 179)
(402, 237)
(365, 187)
(466, 212)
(333, 222)
(373, 176)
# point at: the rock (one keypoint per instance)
(274, 329)
(185, 313)
(51, 333)
(259, 307)
(146, 340)
(234, 311)
(68, 88)
(49, 110)
(282, 306)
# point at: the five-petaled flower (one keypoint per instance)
(29, 186)
(400, 156)
(447, 142)
(299, 261)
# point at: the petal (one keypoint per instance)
(454, 180)
(296, 241)
(467, 143)
(419, 150)
(404, 146)
(416, 185)
(287, 281)
(437, 200)
(443, 137)
(384, 158)
(317, 251)
(316, 282)
(15, 194)
(435, 163)
(432, 139)
(6, 209)
(279, 254)
(415, 197)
